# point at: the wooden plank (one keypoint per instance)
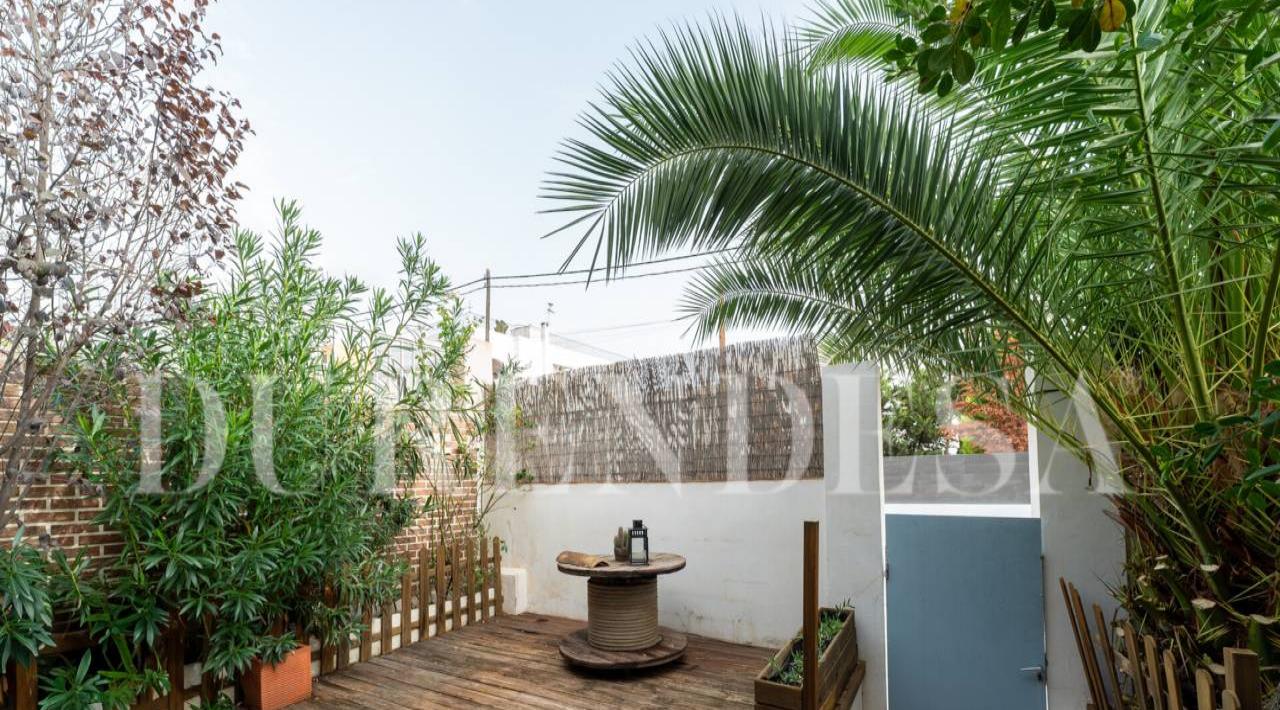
(424, 594)
(1095, 671)
(809, 691)
(388, 608)
(528, 642)
(472, 668)
(1171, 680)
(455, 586)
(1153, 672)
(328, 653)
(366, 636)
(344, 652)
(1204, 690)
(67, 642)
(26, 694)
(1080, 632)
(209, 684)
(469, 579)
(1230, 701)
(486, 577)
(1244, 679)
(439, 555)
(497, 576)
(1135, 670)
(1108, 653)
(328, 658)
(406, 606)
(174, 657)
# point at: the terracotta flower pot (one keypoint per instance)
(268, 687)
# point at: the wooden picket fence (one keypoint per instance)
(458, 587)
(1136, 672)
(442, 599)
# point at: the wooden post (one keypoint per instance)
(174, 662)
(366, 636)
(388, 611)
(469, 576)
(424, 594)
(455, 585)
(1080, 631)
(1204, 690)
(406, 607)
(1171, 681)
(488, 292)
(439, 554)
(1091, 657)
(484, 580)
(209, 685)
(328, 654)
(1108, 653)
(497, 576)
(26, 689)
(1243, 677)
(809, 688)
(1153, 672)
(1135, 666)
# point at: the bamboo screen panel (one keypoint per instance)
(753, 412)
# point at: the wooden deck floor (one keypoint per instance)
(514, 662)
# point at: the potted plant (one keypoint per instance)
(279, 676)
(778, 685)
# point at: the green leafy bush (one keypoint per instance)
(25, 612)
(909, 413)
(291, 531)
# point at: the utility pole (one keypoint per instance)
(488, 292)
(722, 329)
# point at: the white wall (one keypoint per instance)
(853, 537)
(743, 543)
(541, 352)
(1080, 542)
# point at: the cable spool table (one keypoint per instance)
(622, 616)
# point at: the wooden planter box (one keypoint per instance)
(837, 667)
(287, 682)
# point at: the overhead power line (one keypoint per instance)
(625, 326)
(578, 272)
(624, 277)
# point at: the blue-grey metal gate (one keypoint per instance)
(965, 606)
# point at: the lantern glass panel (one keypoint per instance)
(639, 543)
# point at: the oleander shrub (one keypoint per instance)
(305, 386)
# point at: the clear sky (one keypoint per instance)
(387, 118)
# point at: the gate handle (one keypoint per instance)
(1038, 670)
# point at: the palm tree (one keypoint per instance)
(1101, 220)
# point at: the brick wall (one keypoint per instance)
(58, 513)
(453, 513)
(605, 423)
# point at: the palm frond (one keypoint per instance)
(841, 32)
(718, 137)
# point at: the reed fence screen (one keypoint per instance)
(752, 411)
